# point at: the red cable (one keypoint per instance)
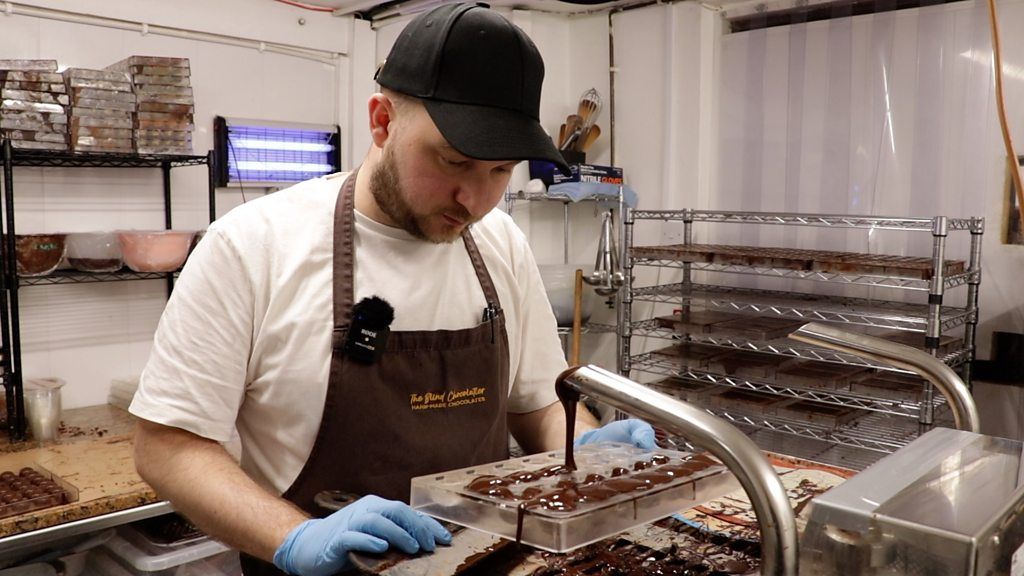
(306, 6)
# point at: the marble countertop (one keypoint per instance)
(93, 454)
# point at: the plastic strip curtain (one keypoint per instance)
(891, 113)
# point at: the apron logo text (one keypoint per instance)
(450, 399)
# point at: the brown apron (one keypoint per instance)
(435, 401)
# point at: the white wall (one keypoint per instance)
(89, 334)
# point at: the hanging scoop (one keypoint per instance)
(607, 277)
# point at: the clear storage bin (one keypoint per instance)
(128, 553)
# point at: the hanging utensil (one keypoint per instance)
(573, 129)
(607, 277)
(587, 140)
(577, 319)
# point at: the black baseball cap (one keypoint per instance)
(479, 77)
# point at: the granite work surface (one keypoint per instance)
(94, 454)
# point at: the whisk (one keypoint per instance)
(589, 108)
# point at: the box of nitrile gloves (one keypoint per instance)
(549, 174)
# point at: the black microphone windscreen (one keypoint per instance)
(374, 311)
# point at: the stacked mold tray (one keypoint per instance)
(102, 110)
(33, 102)
(799, 259)
(730, 353)
(164, 122)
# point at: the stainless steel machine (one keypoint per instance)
(949, 503)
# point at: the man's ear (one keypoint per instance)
(382, 113)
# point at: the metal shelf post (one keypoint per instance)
(892, 420)
(10, 314)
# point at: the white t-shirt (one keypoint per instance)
(245, 340)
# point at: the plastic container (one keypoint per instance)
(39, 254)
(43, 407)
(94, 251)
(560, 284)
(129, 552)
(32, 488)
(155, 250)
(635, 487)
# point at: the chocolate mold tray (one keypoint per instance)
(32, 488)
(539, 502)
(917, 267)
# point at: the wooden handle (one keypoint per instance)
(577, 320)
(590, 137)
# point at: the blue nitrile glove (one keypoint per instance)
(632, 431)
(320, 546)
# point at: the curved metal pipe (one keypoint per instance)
(927, 366)
(726, 442)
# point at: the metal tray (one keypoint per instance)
(521, 485)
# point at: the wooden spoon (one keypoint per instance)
(589, 138)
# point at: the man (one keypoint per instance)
(255, 336)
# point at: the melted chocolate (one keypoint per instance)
(569, 399)
(569, 493)
(620, 557)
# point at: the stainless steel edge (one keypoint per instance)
(83, 526)
(726, 442)
(965, 412)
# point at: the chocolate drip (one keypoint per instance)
(569, 399)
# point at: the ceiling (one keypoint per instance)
(377, 9)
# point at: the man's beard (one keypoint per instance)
(387, 191)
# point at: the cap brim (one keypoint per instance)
(488, 133)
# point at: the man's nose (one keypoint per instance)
(475, 194)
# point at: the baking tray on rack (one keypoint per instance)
(537, 501)
(690, 354)
(917, 267)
